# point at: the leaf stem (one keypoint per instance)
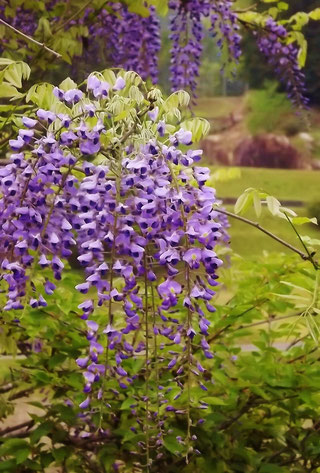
(310, 258)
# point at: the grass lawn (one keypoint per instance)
(248, 241)
(281, 183)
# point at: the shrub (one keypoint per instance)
(262, 117)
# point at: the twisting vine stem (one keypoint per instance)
(112, 258)
(146, 313)
(189, 319)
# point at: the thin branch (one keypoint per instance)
(223, 329)
(72, 17)
(13, 428)
(6, 387)
(304, 355)
(245, 408)
(29, 38)
(305, 257)
(4, 162)
(296, 341)
(269, 320)
(20, 394)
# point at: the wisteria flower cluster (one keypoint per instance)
(187, 35)
(283, 58)
(100, 174)
(225, 26)
(121, 38)
(132, 42)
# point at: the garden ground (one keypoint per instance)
(297, 185)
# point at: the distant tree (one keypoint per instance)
(255, 71)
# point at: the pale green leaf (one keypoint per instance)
(257, 203)
(315, 14)
(4, 61)
(283, 6)
(68, 84)
(302, 56)
(300, 19)
(8, 91)
(135, 94)
(310, 241)
(109, 76)
(244, 201)
(303, 220)
(273, 205)
(133, 78)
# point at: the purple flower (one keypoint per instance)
(85, 403)
(153, 114)
(93, 82)
(181, 137)
(119, 84)
(169, 287)
(95, 350)
(58, 93)
(73, 96)
(83, 287)
(90, 146)
(29, 122)
(172, 363)
(138, 217)
(193, 257)
(17, 144)
(92, 325)
(284, 58)
(86, 306)
(82, 362)
(46, 115)
(161, 128)
(49, 287)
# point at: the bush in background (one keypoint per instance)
(262, 117)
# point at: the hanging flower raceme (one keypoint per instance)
(187, 35)
(133, 42)
(283, 58)
(98, 174)
(225, 27)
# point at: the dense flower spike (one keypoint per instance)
(144, 235)
(284, 59)
(130, 41)
(24, 19)
(225, 27)
(187, 34)
(133, 42)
